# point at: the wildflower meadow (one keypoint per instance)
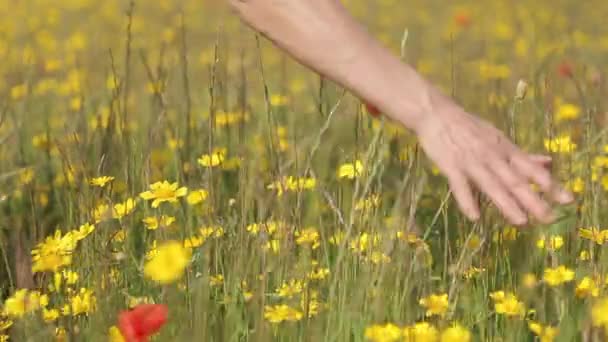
(167, 174)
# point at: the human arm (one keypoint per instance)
(322, 35)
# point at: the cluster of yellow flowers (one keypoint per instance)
(136, 187)
(419, 332)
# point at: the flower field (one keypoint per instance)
(168, 175)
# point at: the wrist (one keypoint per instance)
(434, 106)
(416, 103)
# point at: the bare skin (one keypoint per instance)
(470, 152)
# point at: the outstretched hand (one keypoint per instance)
(471, 152)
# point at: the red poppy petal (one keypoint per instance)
(155, 319)
(142, 321)
(127, 329)
(565, 69)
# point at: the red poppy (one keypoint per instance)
(565, 69)
(372, 110)
(463, 19)
(141, 322)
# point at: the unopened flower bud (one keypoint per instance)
(521, 90)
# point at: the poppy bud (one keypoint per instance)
(565, 69)
(463, 19)
(521, 90)
(372, 110)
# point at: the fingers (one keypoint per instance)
(543, 160)
(502, 198)
(538, 174)
(461, 189)
(520, 188)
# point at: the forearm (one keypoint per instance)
(322, 35)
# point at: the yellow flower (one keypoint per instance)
(561, 144)
(384, 333)
(593, 234)
(557, 276)
(555, 242)
(292, 184)
(247, 294)
(308, 236)
(101, 181)
(197, 196)
(506, 234)
(299, 184)
(545, 333)
(214, 159)
(498, 296)
(584, 255)
(123, 209)
(494, 71)
(529, 280)
(420, 332)
(114, 335)
(82, 303)
(23, 302)
(168, 263)
(153, 223)
(278, 100)
(378, 258)
(290, 289)
(474, 242)
(472, 272)
(19, 91)
(135, 301)
(53, 253)
(319, 273)
(41, 141)
(310, 302)
(216, 280)
(279, 313)
(604, 181)
(163, 192)
(566, 111)
(83, 231)
(102, 212)
(70, 277)
(119, 236)
(223, 119)
(599, 313)
(364, 241)
(26, 176)
(577, 185)
(213, 231)
(587, 287)
(369, 203)
(455, 333)
(507, 304)
(351, 170)
(5, 323)
(273, 245)
(50, 315)
(337, 238)
(435, 304)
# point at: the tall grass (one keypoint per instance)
(139, 91)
